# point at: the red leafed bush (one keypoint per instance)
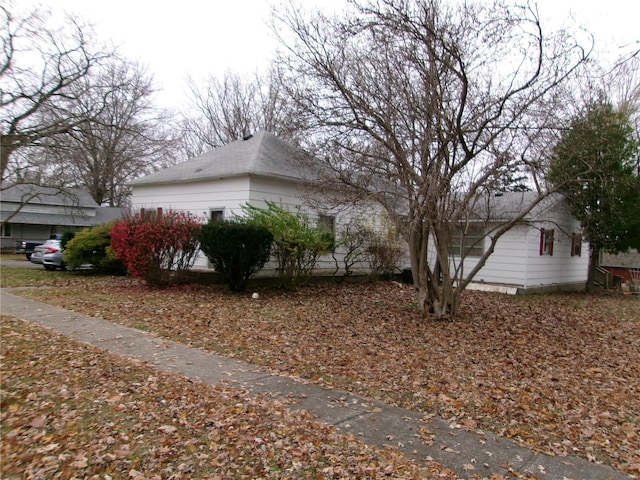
(157, 247)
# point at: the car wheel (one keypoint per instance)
(49, 267)
(28, 255)
(63, 266)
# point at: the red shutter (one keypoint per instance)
(553, 234)
(542, 241)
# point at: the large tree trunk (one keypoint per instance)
(6, 149)
(594, 258)
(418, 255)
(435, 292)
(443, 294)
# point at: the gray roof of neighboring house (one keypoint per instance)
(630, 259)
(48, 219)
(508, 205)
(80, 210)
(35, 194)
(261, 154)
(108, 214)
(102, 215)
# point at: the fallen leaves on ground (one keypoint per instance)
(72, 411)
(559, 373)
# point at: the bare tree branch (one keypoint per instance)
(40, 64)
(425, 108)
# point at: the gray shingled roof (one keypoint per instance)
(630, 259)
(47, 219)
(109, 214)
(262, 154)
(509, 205)
(35, 194)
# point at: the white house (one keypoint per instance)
(216, 185)
(33, 212)
(544, 250)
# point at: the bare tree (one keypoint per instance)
(422, 107)
(622, 86)
(123, 141)
(40, 69)
(231, 107)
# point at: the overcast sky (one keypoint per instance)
(202, 37)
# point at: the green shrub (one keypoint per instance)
(237, 250)
(66, 236)
(93, 246)
(297, 243)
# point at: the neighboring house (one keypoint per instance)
(33, 212)
(545, 250)
(624, 265)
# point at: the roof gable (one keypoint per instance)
(261, 154)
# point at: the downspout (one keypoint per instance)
(526, 258)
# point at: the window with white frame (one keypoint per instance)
(576, 244)
(5, 229)
(327, 223)
(546, 241)
(467, 241)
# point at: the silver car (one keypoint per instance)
(49, 255)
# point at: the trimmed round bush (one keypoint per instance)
(236, 250)
(92, 246)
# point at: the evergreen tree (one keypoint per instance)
(596, 164)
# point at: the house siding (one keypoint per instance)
(517, 262)
(231, 194)
(506, 265)
(198, 198)
(36, 221)
(560, 268)
(25, 231)
(283, 193)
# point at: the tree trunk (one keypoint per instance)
(418, 255)
(444, 294)
(435, 292)
(6, 149)
(594, 257)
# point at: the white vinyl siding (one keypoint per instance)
(198, 198)
(515, 262)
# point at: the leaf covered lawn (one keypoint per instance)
(72, 411)
(560, 373)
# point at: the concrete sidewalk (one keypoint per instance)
(376, 423)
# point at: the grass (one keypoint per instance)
(12, 256)
(11, 277)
